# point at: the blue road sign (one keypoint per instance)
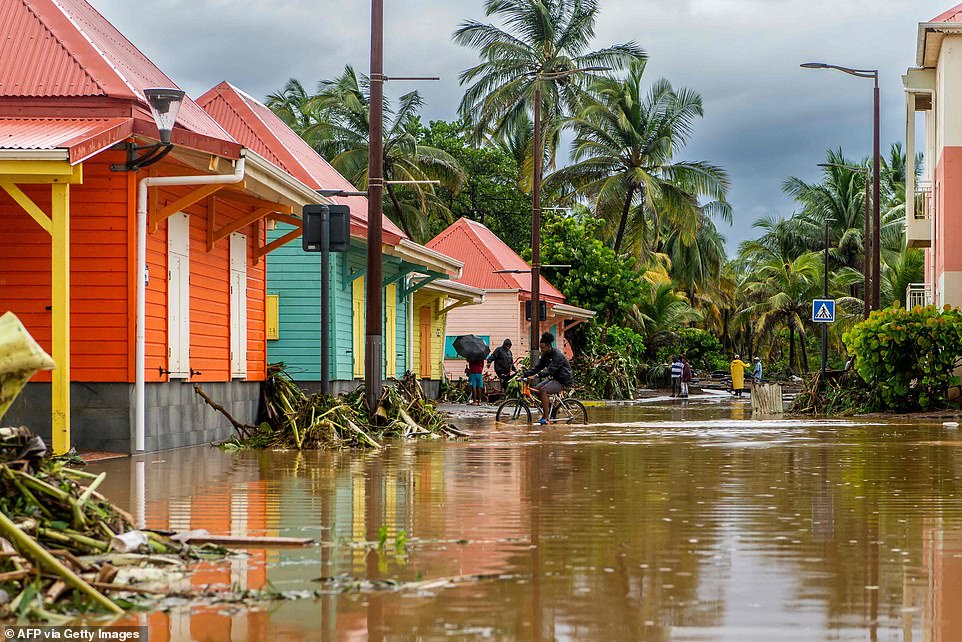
(823, 311)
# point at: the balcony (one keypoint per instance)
(917, 294)
(918, 228)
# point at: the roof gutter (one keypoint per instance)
(34, 154)
(141, 337)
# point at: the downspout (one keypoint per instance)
(141, 339)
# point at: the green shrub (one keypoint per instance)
(613, 369)
(906, 357)
(704, 350)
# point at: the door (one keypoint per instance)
(178, 296)
(426, 357)
(390, 331)
(238, 305)
(358, 301)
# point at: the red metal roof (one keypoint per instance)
(65, 49)
(483, 254)
(259, 129)
(81, 137)
(952, 15)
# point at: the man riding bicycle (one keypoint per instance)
(554, 365)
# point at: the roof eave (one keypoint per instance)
(573, 312)
(409, 250)
(34, 154)
(928, 27)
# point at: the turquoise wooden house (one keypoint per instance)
(293, 276)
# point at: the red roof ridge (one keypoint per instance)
(246, 96)
(100, 52)
(952, 15)
(227, 103)
(479, 244)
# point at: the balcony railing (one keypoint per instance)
(917, 294)
(923, 200)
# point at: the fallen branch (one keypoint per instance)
(245, 430)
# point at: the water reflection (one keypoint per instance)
(666, 522)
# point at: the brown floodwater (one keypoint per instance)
(662, 522)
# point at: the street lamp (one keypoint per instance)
(825, 295)
(536, 199)
(876, 237)
(866, 240)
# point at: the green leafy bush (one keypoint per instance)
(613, 369)
(704, 350)
(906, 357)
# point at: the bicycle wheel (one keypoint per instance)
(513, 411)
(569, 411)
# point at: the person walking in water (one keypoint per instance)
(676, 368)
(757, 372)
(738, 375)
(475, 372)
(503, 362)
(686, 376)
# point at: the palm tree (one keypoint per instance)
(785, 290)
(339, 130)
(541, 40)
(659, 313)
(839, 196)
(624, 159)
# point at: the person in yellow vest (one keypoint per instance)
(738, 375)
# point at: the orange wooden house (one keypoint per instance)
(73, 112)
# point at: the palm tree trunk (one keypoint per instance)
(791, 348)
(801, 340)
(397, 210)
(623, 223)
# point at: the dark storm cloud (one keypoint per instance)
(765, 119)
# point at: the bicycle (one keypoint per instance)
(517, 410)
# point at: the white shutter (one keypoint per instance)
(178, 295)
(238, 305)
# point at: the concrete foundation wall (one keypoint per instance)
(102, 415)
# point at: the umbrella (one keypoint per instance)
(471, 347)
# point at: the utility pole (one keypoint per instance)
(536, 228)
(375, 187)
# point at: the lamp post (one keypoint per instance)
(866, 237)
(825, 295)
(877, 176)
(536, 200)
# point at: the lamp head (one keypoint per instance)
(164, 105)
(814, 65)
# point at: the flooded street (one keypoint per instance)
(663, 522)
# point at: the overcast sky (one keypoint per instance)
(765, 118)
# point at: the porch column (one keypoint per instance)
(60, 317)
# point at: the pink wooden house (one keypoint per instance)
(502, 314)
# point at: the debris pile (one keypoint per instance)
(301, 421)
(58, 536)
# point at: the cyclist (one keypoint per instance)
(556, 366)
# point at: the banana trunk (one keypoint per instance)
(20, 358)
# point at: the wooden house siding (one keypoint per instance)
(432, 301)
(294, 276)
(101, 321)
(499, 318)
(209, 294)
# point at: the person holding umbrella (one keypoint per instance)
(474, 350)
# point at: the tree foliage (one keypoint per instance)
(906, 357)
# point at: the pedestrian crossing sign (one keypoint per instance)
(823, 311)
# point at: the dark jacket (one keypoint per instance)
(503, 360)
(686, 373)
(555, 365)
